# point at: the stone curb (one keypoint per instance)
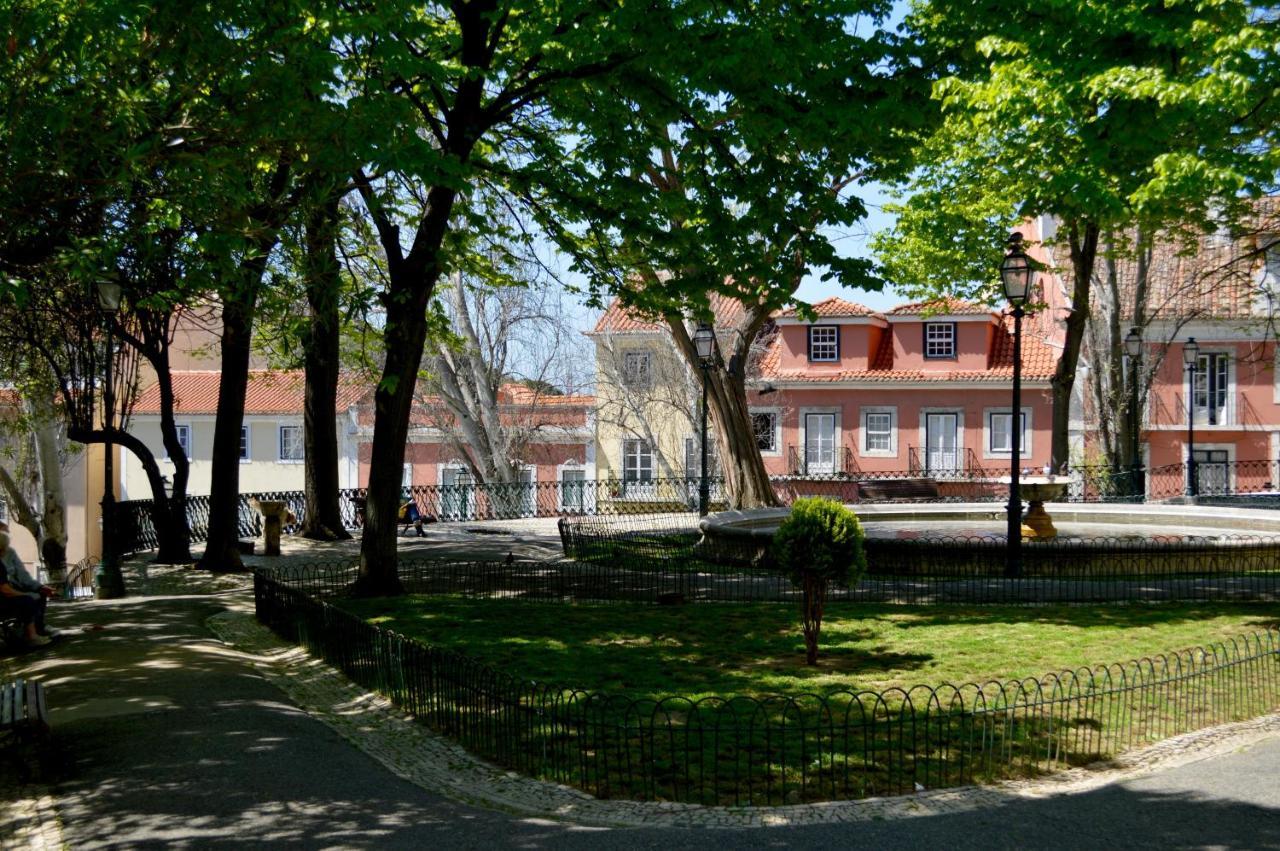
(414, 753)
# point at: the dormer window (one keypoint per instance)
(939, 339)
(824, 343)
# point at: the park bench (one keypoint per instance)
(24, 720)
(898, 489)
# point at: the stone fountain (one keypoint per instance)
(1037, 490)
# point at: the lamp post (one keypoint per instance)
(1191, 359)
(1015, 277)
(110, 579)
(1133, 348)
(704, 339)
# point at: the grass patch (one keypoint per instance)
(648, 727)
(758, 649)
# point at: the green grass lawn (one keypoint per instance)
(626, 741)
(754, 649)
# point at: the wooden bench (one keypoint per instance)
(898, 489)
(24, 718)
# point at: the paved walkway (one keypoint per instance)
(173, 738)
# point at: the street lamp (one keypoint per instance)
(110, 580)
(1015, 277)
(1133, 348)
(1191, 359)
(704, 341)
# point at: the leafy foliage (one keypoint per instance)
(821, 538)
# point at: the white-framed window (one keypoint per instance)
(292, 449)
(636, 369)
(1211, 393)
(184, 440)
(637, 461)
(824, 343)
(244, 443)
(880, 431)
(998, 426)
(764, 424)
(939, 339)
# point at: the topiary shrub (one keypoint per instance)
(820, 543)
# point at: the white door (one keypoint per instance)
(942, 451)
(819, 444)
(528, 491)
(573, 491)
(457, 494)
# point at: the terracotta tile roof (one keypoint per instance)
(1038, 362)
(618, 319)
(268, 392)
(835, 307)
(941, 307)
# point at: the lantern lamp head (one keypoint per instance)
(109, 294)
(1190, 352)
(1015, 272)
(704, 340)
(1133, 343)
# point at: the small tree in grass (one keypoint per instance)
(820, 543)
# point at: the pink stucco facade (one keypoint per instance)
(925, 389)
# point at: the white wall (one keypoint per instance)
(264, 471)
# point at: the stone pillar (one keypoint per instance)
(273, 515)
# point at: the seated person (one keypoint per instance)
(409, 513)
(21, 596)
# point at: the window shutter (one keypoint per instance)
(808, 342)
(838, 335)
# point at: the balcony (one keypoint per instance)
(836, 462)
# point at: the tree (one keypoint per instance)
(818, 543)
(470, 95)
(723, 204)
(505, 333)
(1102, 115)
(32, 463)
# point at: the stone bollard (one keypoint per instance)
(273, 513)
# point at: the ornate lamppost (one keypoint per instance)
(1191, 359)
(1133, 348)
(110, 580)
(1015, 277)
(704, 339)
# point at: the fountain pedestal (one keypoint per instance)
(1037, 490)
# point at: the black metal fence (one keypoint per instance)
(1246, 483)
(666, 555)
(765, 750)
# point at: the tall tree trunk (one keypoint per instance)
(222, 551)
(53, 500)
(321, 363)
(173, 532)
(746, 479)
(405, 336)
(1084, 250)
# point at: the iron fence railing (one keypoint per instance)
(1248, 483)
(651, 557)
(777, 749)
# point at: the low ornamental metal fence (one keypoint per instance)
(1245, 483)
(652, 557)
(777, 749)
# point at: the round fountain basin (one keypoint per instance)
(1084, 522)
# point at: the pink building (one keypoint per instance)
(554, 454)
(922, 390)
(1223, 291)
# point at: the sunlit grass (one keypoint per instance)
(755, 649)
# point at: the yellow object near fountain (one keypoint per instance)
(1037, 490)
